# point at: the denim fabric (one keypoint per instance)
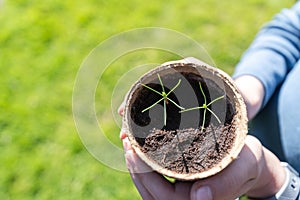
(289, 117)
(273, 58)
(277, 125)
(274, 52)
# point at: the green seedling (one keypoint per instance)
(205, 106)
(164, 98)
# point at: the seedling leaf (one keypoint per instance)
(205, 106)
(164, 98)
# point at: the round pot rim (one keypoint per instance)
(240, 119)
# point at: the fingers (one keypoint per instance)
(135, 164)
(129, 158)
(121, 109)
(150, 184)
(126, 145)
(121, 113)
(130, 161)
(123, 134)
(235, 180)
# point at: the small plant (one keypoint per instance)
(164, 98)
(205, 106)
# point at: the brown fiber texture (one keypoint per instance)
(182, 148)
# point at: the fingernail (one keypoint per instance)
(203, 193)
(121, 109)
(122, 135)
(129, 160)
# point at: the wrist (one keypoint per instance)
(291, 187)
(271, 178)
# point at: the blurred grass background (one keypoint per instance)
(42, 45)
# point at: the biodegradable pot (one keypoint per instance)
(186, 145)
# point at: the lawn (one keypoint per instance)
(42, 46)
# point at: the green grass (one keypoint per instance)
(42, 45)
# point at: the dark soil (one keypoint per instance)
(181, 146)
(189, 150)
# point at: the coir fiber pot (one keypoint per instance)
(185, 119)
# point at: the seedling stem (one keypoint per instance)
(164, 98)
(205, 106)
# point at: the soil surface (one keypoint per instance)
(189, 150)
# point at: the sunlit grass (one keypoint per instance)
(43, 43)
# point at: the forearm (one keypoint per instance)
(274, 51)
(252, 91)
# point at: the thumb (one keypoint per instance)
(235, 180)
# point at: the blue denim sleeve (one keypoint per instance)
(274, 51)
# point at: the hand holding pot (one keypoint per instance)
(257, 173)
